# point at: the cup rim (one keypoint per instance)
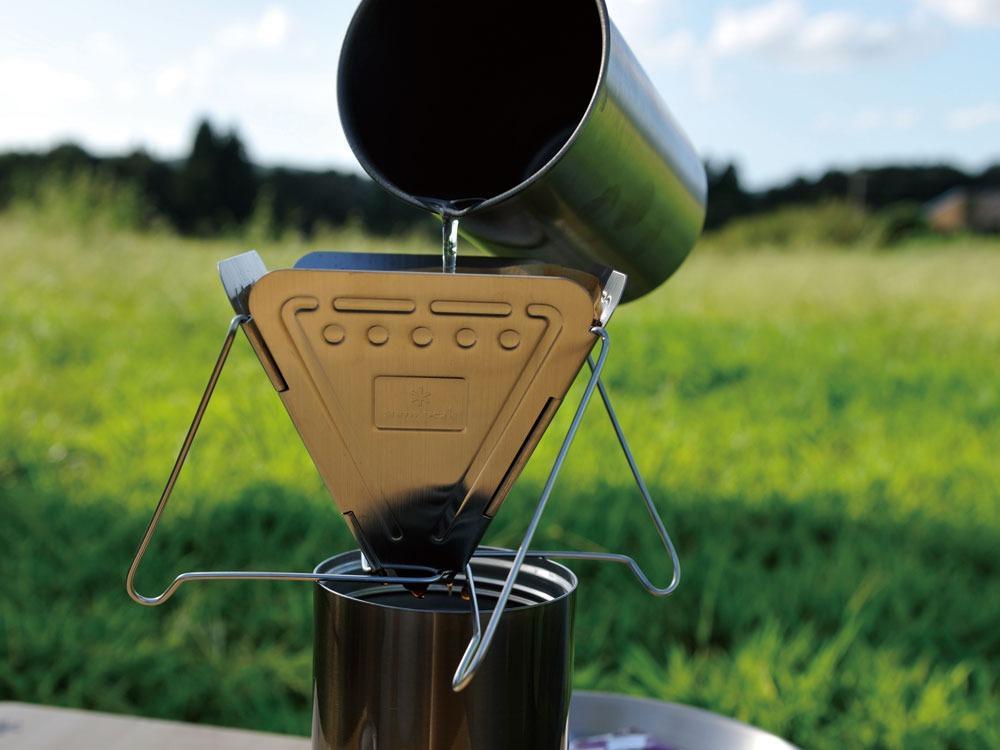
(541, 582)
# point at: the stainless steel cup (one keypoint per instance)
(384, 661)
(532, 121)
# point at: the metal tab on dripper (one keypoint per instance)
(421, 395)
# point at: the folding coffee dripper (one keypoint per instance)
(419, 394)
(420, 397)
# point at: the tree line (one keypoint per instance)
(216, 188)
(874, 189)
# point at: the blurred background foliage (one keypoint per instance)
(818, 417)
(216, 189)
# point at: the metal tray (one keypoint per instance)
(680, 727)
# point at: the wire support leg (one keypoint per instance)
(477, 632)
(654, 515)
(475, 653)
(234, 575)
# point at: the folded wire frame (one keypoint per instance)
(481, 639)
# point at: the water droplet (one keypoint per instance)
(449, 244)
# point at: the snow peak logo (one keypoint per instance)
(429, 404)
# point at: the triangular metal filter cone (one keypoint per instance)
(421, 395)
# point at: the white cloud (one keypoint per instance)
(640, 17)
(785, 30)
(655, 32)
(973, 118)
(673, 50)
(870, 120)
(126, 88)
(763, 27)
(105, 45)
(27, 85)
(113, 88)
(40, 102)
(967, 12)
(169, 80)
(650, 28)
(268, 32)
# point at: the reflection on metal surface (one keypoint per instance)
(680, 727)
(383, 662)
(574, 154)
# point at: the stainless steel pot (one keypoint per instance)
(533, 122)
(384, 661)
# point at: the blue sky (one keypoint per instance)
(781, 86)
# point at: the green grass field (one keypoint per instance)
(821, 430)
